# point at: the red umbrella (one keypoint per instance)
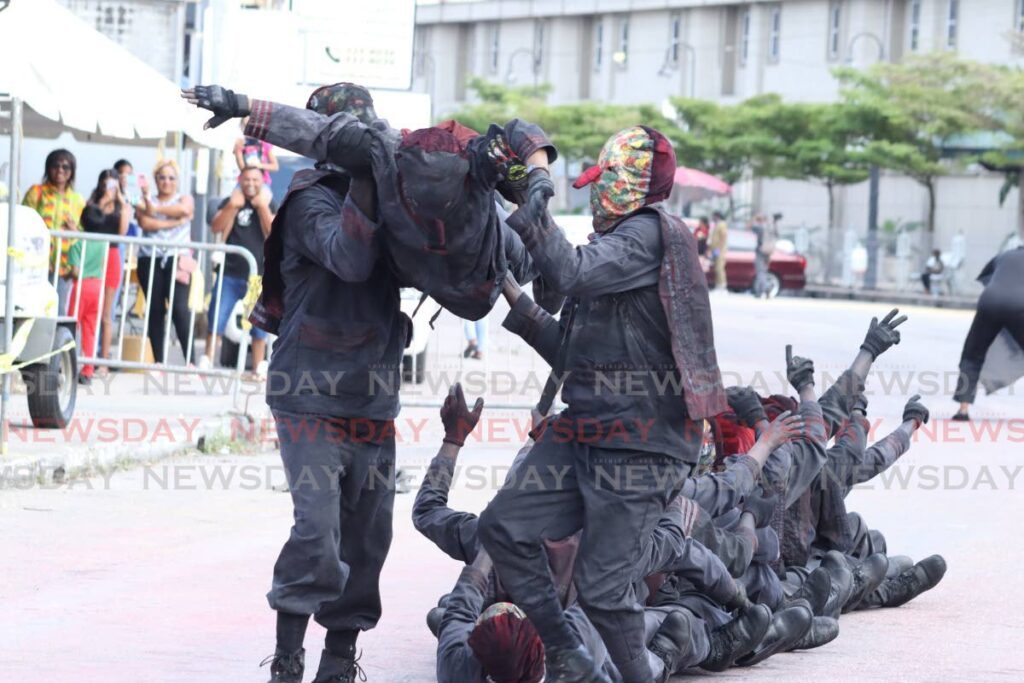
(697, 185)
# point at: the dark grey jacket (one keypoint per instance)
(622, 388)
(342, 332)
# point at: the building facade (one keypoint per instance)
(633, 51)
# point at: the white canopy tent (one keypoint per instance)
(70, 76)
(59, 74)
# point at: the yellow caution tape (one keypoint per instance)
(7, 360)
(24, 261)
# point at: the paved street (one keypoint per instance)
(158, 573)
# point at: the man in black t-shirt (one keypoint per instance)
(244, 218)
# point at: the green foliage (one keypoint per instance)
(916, 106)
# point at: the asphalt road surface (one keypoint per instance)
(159, 573)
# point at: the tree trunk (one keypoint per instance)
(929, 234)
(830, 235)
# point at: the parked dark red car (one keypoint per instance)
(785, 268)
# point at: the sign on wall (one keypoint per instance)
(363, 41)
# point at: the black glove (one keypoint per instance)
(860, 404)
(761, 505)
(882, 335)
(539, 190)
(799, 371)
(457, 418)
(746, 404)
(225, 104)
(739, 600)
(915, 410)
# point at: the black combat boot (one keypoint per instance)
(672, 642)
(867, 576)
(815, 590)
(335, 669)
(286, 667)
(842, 583)
(737, 638)
(434, 617)
(788, 627)
(823, 630)
(899, 590)
(571, 665)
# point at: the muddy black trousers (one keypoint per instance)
(617, 497)
(343, 493)
(988, 323)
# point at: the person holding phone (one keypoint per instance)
(252, 152)
(60, 206)
(107, 212)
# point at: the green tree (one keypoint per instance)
(824, 143)
(918, 106)
(1008, 158)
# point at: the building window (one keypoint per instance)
(675, 37)
(494, 48)
(538, 43)
(744, 36)
(835, 22)
(915, 25)
(621, 55)
(951, 19)
(774, 34)
(1020, 16)
(598, 46)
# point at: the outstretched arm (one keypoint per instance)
(455, 533)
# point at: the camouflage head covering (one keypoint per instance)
(347, 98)
(635, 168)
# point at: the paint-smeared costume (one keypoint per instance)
(641, 308)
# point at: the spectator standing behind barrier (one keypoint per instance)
(103, 214)
(933, 266)
(107, 212)
(254, 153)
(719, 243)
(167, 216)
(701, 233)
(767, 235)
(60, 206)
(244, 220)
(130, 189)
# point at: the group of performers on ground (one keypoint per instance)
(705, 528)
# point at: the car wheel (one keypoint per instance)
(414, 368)
(774, 285)
(52, 385)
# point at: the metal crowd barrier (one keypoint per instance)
(133, 244)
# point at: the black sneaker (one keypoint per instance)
(737, 638)
(85, 380)
(867, 576)
(823, 630)
(815, 590)
(334, 669)
(961, 417)
(788, 627)
(575, 665)
(671, 643)
(286, 667)
(900, 590)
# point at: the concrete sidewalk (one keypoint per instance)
(129, 417)
(815, 291)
